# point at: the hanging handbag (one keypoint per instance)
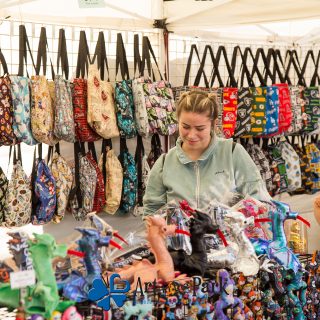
(3, 191)
(7, 136)
(44, 198)
(123, 94)
(113, 177)
(18, 203)
(42, 110)
(84, 133)
(156, 150)
(62, 174)
(64, 121)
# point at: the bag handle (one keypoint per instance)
(202, 65)
(136, 55)
(231, 79)
(193, 50)
(92, 149)
(146, 50)
(23, 44)
(260, 53)
(245, 69)
(315, 76)
(62, 54)
(42, 54)
(83, 56)
(302, 80)
(139, 154)
(276, 69)
(121, 59)
(101, 55)
(50, 151)
(3, 63)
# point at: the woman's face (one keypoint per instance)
(195, 129)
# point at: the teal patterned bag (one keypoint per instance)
(130, 179)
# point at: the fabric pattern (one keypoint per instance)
(64, 121)
(21, 110)
(3, 191)
(219, 100)
(292, 165)
(306, 178)
(17, 212)
(262, 164)
(278, 165)
(99, 194)
(62, 174)
(312, 109)
(230, 99)
(7, 136)
(113, 187)
(141, 115)
(125, 109)
(296, 124)
(272, 110)
(101, 114)
(243, 122)
(44, 197)
(160, 107)
(84, 133)
(258, 114)
(130, 182)
(313, 154)
(285, 110)
(88, 181)
(42, 112)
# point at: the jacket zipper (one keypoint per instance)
(196, 167)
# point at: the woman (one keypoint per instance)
(201, 167)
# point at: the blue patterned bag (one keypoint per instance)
(125, 109)
(272, 110)
(44, 198)
(130, 179)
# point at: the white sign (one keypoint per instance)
(22, 279)
(91, 3)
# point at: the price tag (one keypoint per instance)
(91, 3)
(22, 279)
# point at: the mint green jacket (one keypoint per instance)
(213, 176)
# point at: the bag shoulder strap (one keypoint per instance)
(62, 54)
(101, 55)
(83, 56)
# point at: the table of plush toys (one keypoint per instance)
(230, 262)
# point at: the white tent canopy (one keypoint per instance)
(287, 20)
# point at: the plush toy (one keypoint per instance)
(224, 286)
(77, 285)
(163, 268)
(71, 314)
(246, 261)
(197, 262)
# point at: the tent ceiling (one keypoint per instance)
(285, 20)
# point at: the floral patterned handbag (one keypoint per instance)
(44, 198)
(17, 210)
(3, 192)
(7, 136)
(62, 174)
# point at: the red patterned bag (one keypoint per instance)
(229, 113)
(285, 109)
(84, 133)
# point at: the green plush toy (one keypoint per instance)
(43, 297)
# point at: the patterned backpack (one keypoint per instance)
(44, 198)
(130, 180)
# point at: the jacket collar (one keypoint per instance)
(183, 157)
